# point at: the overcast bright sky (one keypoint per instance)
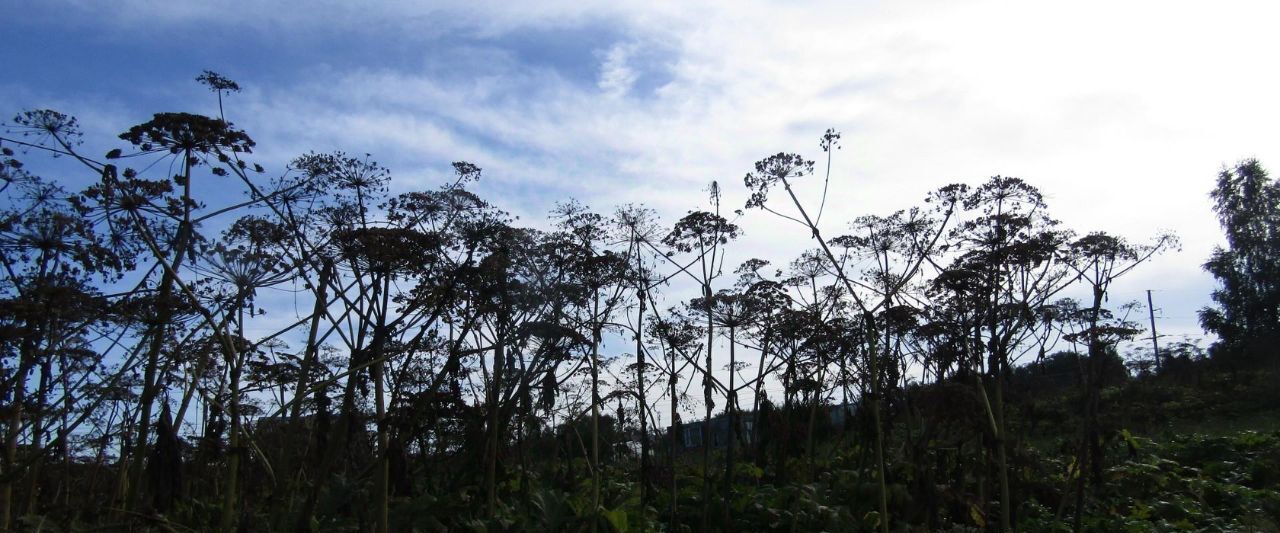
(1121, 112)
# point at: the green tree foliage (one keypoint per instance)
(1246, 317)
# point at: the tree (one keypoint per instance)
(1246, 314)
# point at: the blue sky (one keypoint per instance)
(1122, 112)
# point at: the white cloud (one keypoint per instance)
(616, 75)
(1122, 112)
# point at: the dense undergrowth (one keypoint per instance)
(1211, 477)
(1176, 460)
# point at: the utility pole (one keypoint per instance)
(1155, 345)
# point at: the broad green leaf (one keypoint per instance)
(617, 518)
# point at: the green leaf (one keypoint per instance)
(975, 513)
(617, 518)
(1128, 438)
